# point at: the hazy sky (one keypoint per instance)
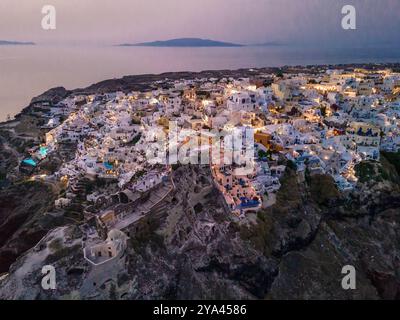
(243, 21)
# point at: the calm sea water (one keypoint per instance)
(27, 71)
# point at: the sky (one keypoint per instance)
(108, 22)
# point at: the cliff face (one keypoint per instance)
(23, 220)
(206, 258)
(191, 248)
(331, 232)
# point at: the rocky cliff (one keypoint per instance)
(192, 249)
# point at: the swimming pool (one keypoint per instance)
(29, 162)
(43, 151)
(108, 165)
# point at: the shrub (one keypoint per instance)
(365, 171)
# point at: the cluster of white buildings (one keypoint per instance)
(324, 122)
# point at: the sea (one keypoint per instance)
(27, 71)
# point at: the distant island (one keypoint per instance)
(183, 42)
(15, 43)
(268, 44)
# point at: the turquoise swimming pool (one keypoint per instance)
(29, 162)
(108, 165)
(43, 151)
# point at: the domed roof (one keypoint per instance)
(115, 235)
